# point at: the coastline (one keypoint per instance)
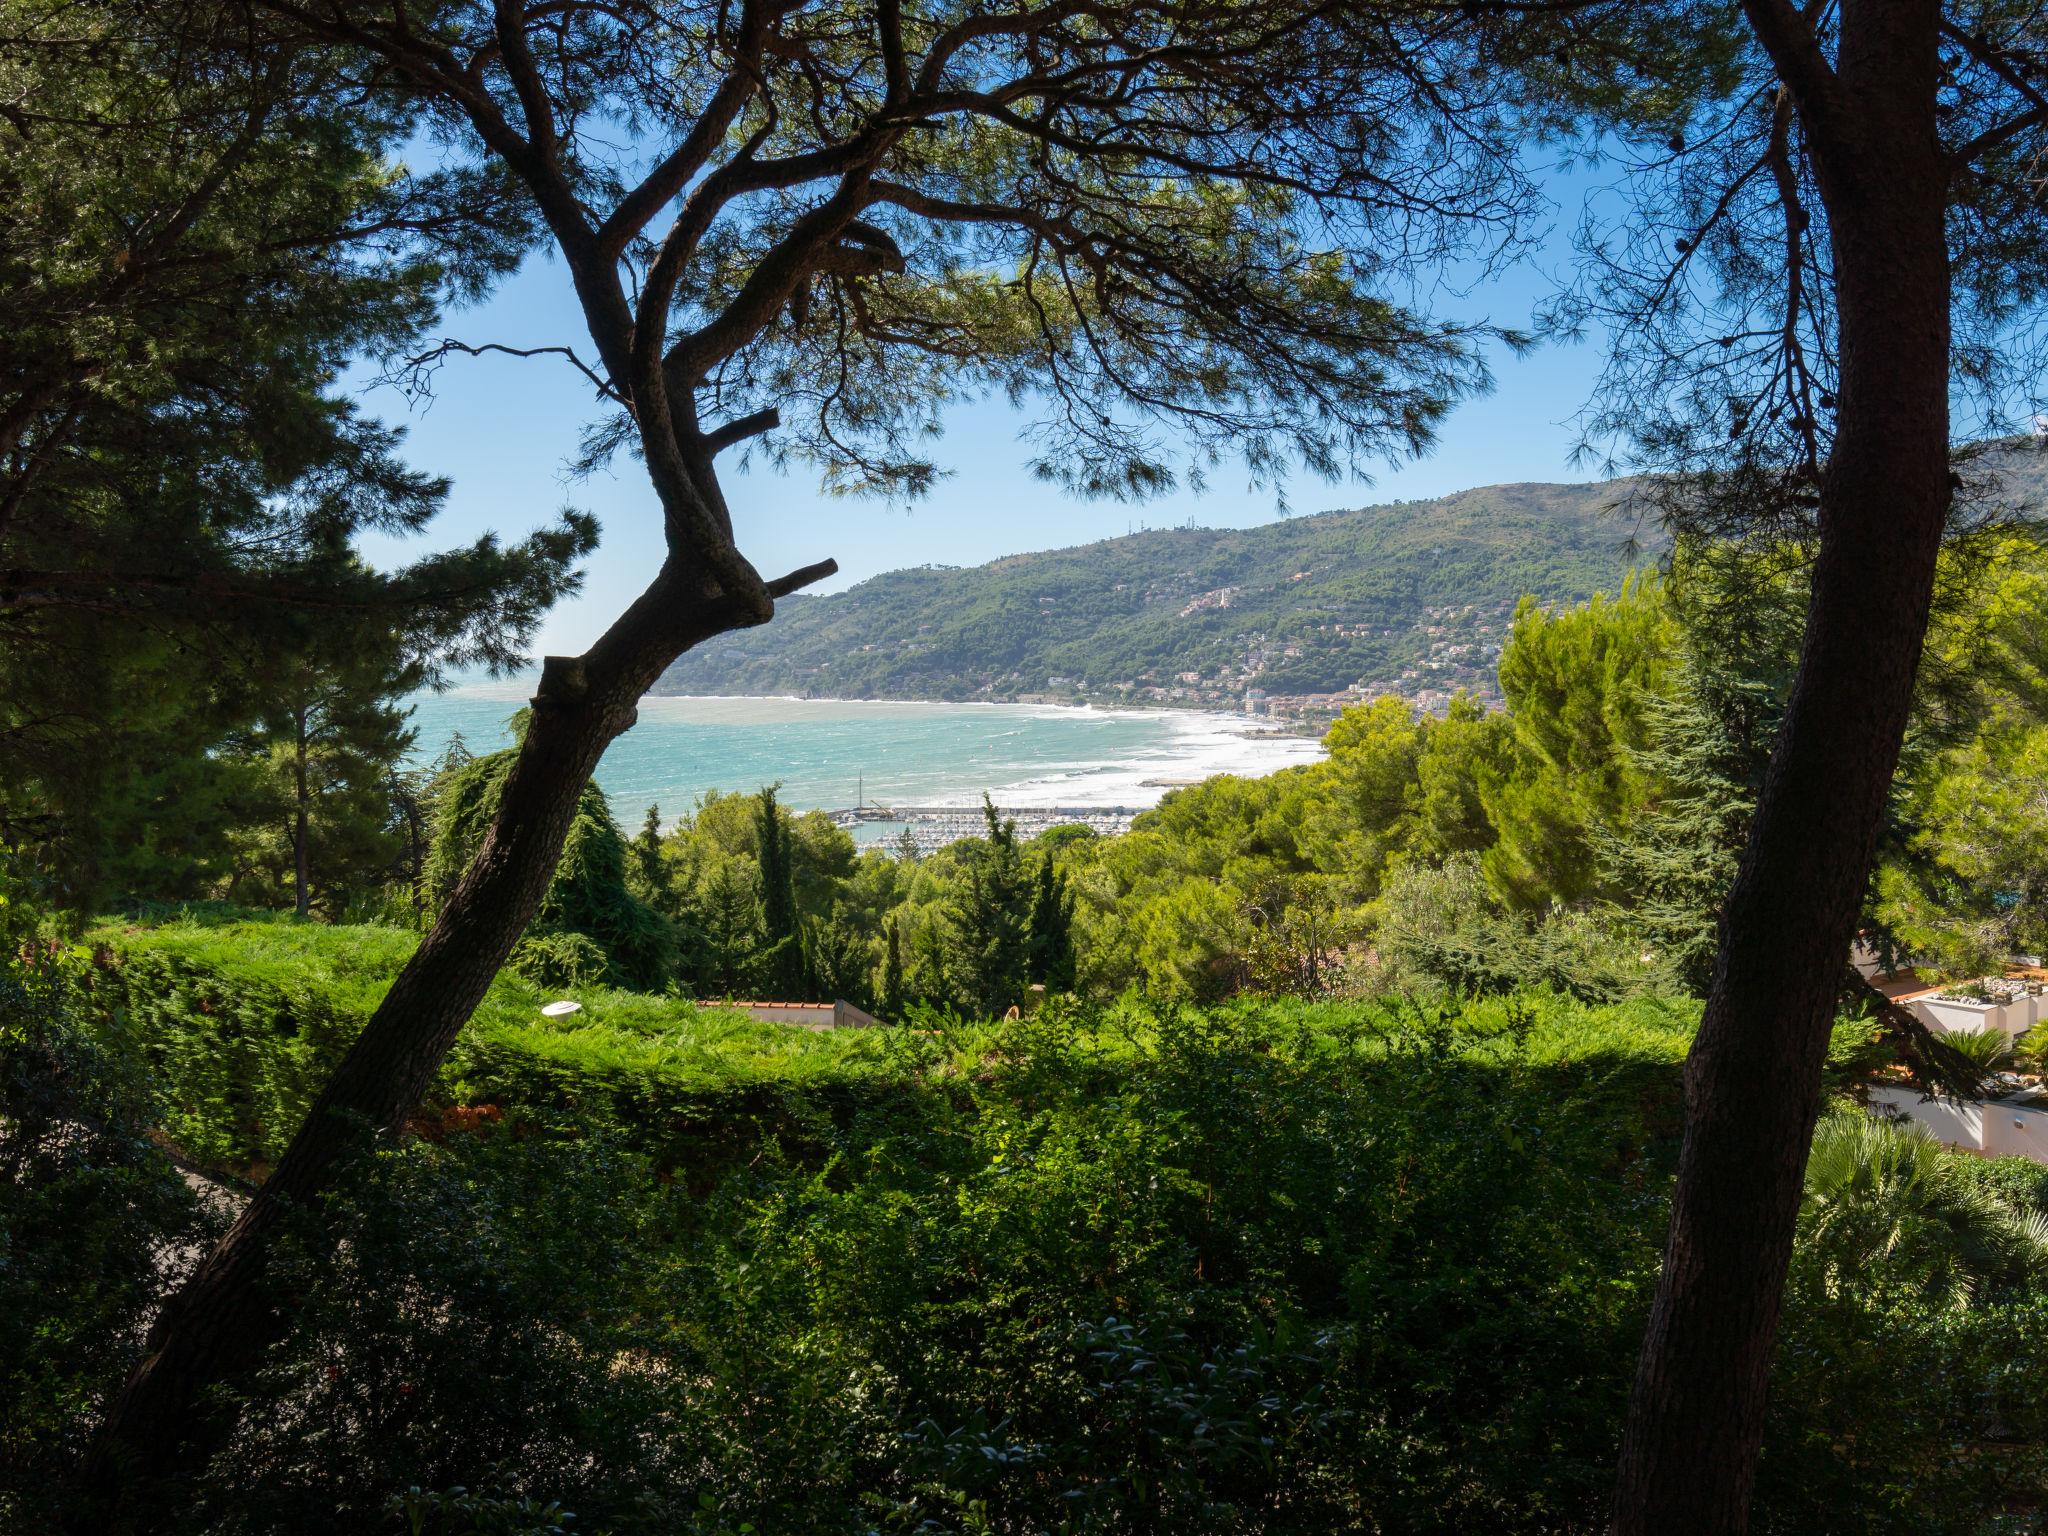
(832, 754)
(1253, 726)
(1257, 725)
(519, 684)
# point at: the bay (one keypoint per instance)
(834, 753)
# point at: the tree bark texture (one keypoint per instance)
(1752, 1080)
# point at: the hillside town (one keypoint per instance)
(1456, 646)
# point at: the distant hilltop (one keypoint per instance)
(1292, 618)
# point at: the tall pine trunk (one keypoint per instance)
(220, 1323)
(1753, 1078)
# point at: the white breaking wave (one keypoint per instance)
(826, 752)
(1203, 745)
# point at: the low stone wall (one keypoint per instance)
(839, 1015)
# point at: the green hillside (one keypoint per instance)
(1408, 598)
(1412, 598)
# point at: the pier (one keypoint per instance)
(932, 827)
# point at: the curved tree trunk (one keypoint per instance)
(1753, 1078)
(221, 1322)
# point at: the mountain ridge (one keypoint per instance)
(1292, 617)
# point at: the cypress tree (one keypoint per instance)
(647, 871)
(837, 961)
(933, 976)
(891, 997)
(992, 919)
(784, 968)
(729, 918)
(1051, 943)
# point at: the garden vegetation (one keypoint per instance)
(1298, 1161)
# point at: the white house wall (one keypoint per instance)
(1991, 1129)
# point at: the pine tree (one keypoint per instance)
(203, 231)
(1676, 858)
(1051, 941)
(992, 920)
(453, 756)
(323, 825)
(729, 916)
(1707, 741)
(1576, 679)
(648, 871)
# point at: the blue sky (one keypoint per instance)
(503, 430)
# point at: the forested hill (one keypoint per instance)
(1410, 598)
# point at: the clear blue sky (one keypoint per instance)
(503, 430)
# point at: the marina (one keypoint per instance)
(1045, 765)
(932, 827)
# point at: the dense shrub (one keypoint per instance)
(1268, 1268)
(1286, 1269)
(237, 1022)
(93, 1221)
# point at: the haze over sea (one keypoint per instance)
(825, 752)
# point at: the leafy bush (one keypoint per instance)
(239, 1021)
(560, 960)
(1442, 927)
(93, 1219)
(1285, 1269)
(1288, 1267)
(2019, 1182)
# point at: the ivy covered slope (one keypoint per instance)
(1404, 598)
(241, 1015)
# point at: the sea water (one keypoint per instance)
(833, 753)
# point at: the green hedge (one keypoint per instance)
(240, 1018)
(240, 1021)
(235, 1050)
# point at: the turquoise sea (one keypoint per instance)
(827, 752)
